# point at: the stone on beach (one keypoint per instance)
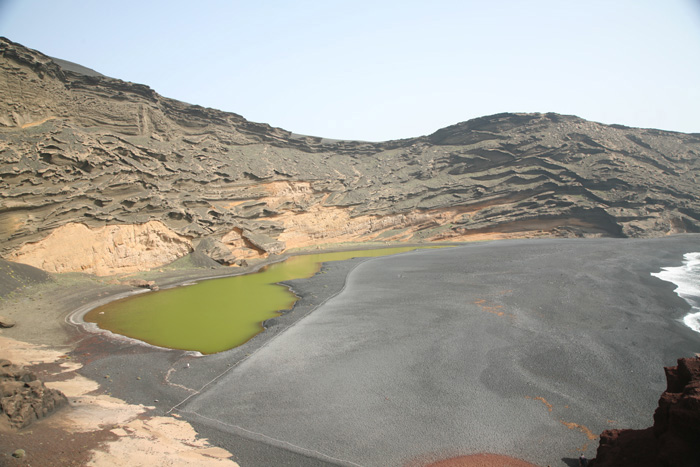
(6, 322)
(23, 398)
(144, 284)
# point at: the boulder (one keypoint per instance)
(6, 322)
(216, 250)
(144, 284)
(23, 398)
(265, 243)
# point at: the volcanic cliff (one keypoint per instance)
(674, 439)
(106, 176)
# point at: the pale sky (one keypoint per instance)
(379, 70)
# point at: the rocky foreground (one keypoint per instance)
(674, 439)
(105, 176)
(24, 398)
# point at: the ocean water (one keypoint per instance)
(687, 281)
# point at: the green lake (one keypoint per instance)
(217, 314)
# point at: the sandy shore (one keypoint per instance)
(522, 348)
(96, 428)
(51, 339)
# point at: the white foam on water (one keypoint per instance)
(692, 320)
(687, 281)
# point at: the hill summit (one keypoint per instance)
(105, 176)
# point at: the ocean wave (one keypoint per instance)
(686, 278)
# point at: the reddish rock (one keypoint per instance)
(674, 440)
(482, 460)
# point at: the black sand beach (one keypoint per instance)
(527, 348)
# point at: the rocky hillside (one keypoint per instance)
(106, 176)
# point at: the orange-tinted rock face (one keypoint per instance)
(674, 440)
(112, 249)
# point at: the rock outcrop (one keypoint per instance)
(674, 440)
(89, 150)
(23, 398)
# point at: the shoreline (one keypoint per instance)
(69, 296)
(271, 361)
(686, 286)
(76, 318)
(170, 382)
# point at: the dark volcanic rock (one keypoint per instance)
(674, 440)
(79, 148)
(216, 250)
(144, 284)
(23, 398)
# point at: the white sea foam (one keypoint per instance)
(687, 281)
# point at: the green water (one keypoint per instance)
(219, 314)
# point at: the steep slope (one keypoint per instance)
(96, 151)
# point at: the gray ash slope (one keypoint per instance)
(90, 149)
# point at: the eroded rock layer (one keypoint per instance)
(85, 149)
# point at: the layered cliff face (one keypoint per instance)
(95, 151)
